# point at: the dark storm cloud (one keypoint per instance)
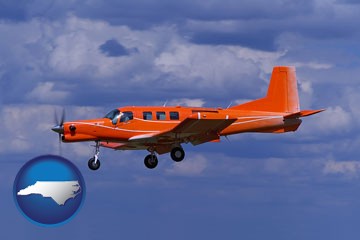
(257, 24)
(163, 11)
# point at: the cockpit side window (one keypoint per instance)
(126, 116)
(113, 116)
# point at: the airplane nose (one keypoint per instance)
(58, 129)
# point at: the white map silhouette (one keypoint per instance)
(59, 191)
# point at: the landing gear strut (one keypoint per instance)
(151, 161)
(94, 162)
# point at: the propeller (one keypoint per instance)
(59, 127)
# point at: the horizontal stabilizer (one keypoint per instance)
(303, 113)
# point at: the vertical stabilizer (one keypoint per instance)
(282, 95)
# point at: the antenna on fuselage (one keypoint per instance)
(164, 105)
(229, 105)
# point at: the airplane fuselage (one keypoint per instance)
(152, 120)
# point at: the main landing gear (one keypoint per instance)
(94, 162)
(177, 154)
(151, 161)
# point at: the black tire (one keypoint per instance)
(177, 154)
(151, 161)
(92, 165)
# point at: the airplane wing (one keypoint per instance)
(203, 127)
(198, 128)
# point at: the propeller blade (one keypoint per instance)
(62, 117)
(56, 118)
(59, 127)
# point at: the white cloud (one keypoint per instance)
(347, 168)
(195, 102)
(334, 120)
(67, 52)
(241, 101)
(45, 93)
(312, 65)
(27, 128)
(215, 66)
(76, 48)
(68, 49)
(306, 87)
(305, 93)
(193, 166)
(353, 98)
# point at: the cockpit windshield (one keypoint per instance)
(113, 115)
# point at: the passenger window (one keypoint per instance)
(160, 116)
(147, 115)
(126, 116)
(174, 115)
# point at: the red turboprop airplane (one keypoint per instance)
(163, 129)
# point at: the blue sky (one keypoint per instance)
(93, 56)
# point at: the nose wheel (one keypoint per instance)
(94, 162)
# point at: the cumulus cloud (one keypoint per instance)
(306, 87)
(334, 120)
(192, 102)
(218, 69)
(346, 168)
(67, 52)
(63, 59)
(27, 128)
(352, 101)
(313, 65)
(45, 93)
(193, 166)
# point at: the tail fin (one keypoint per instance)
(282, 95)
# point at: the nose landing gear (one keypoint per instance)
(94, 162)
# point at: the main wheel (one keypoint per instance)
(92, 165)
(177, 154)
(151, 161)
